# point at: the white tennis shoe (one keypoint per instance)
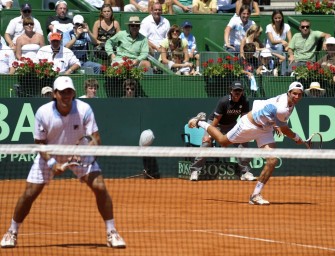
(194, 176)
(115, 240)
(193, 122)
(9, 240)
(248, 176)
(258, 200)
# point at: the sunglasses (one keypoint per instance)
(26, 11)
(134, 25)
(130, 89)
(238, 90)
(176, 31)
(303, 27)
(28, 24)
(78, 24)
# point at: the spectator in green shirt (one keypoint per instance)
(302, 47)
(132, 45)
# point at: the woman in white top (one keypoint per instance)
(29, 42)
(278, 33)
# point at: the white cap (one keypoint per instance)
(330, 40)
(283, 113)
(78, 19)
(295, 85)
(266, 53)
(46, 89)
(63, 82)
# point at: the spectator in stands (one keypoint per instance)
(104, 28)
(174, 43)
(278, 33)
(137, 6)
(47, 92)
(155, 28)
(204, 6)
(166, 6)
(62, 57)
(329, 59)
(269, 63)
(78, 40)
(315, 90)
(29, 42)
(15, 26)
(182, 6)
(132, 45)
(179, 67)
(191, 45)
(236, 30)
(303, 45)
(59, 23)
(130, 88)
(252, 36)
(253, 5)
(6, 59)
(226, 6)
(117, 5)
(91, 88)
(7, 4)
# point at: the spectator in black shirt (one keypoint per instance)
(59, 23)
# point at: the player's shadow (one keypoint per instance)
(76, 245)
(271, 202)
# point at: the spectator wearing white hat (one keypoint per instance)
(60, 22)
(78, 40)
(47, 92)
(269, 62)
(329, 59)
(15, 26)
(7, 4)
(315, 90)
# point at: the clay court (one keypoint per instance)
(178, 217)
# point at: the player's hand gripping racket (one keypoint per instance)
(82, 161)
(314, 141)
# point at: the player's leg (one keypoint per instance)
(244, 165)
(105, 206)
(21, 211)
(256, 197)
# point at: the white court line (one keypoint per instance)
(213, 232)
(269, 240)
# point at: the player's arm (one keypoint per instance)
(290, 134)
(96, 138)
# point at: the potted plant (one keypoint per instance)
(220, 74)
(32, 77)
(314, 72)
(315, 7)
(117, 73)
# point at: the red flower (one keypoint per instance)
(15, 64)
(103, 68)
(205, 65)
(210, 61)
(318, 5)
(294, 68)
(220, 60)
(228, 57)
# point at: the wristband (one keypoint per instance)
(296, 138)
(51, 162)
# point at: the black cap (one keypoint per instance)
(26, 7)
(237, 85)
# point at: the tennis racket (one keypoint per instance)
(314, 141)
(82, 161)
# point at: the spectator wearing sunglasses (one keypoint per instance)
(303, 46)
(15, 26)
(130, 88)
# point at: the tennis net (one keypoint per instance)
(159, 211)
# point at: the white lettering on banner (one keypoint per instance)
(314, 123)
(4, 127)
(258, 162)
(22, 157)
(27, 112)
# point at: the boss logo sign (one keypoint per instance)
(211, 171)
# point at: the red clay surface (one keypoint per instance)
(178, 217)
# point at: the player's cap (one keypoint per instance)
(283, 114)
(266, 53)
(186, 24)
(26, 7)
(330, 40)
(63, 82)
(60, 2)
(134, 20)
(295, 85)
(78, 19)
(237, 85)
(46, 89)
(55, 37)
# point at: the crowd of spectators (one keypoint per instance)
(70, 39)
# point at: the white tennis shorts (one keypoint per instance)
(40, 173)
(245, 131)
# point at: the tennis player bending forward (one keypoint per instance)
(258, 124)
(63, 121)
